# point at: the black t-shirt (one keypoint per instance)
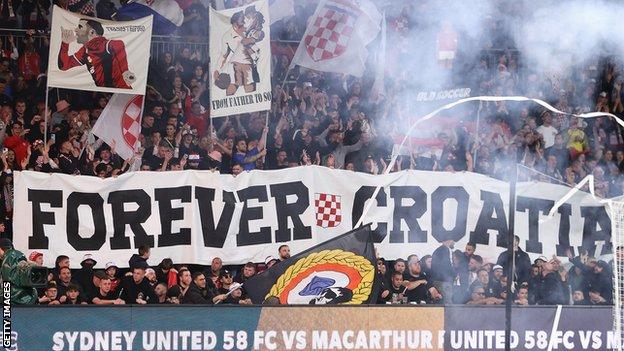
(131, 291)
(108, 296)
(80, 299)
(421, 293)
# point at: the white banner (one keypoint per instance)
(240, 60)
(89, 53)
(193, 216)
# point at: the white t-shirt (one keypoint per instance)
(549, 135)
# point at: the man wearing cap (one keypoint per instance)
(136, 289)
(50, 296)
(111, 272)
(15, 269)
(270, 261)
(36, 257)
(84, 276)
(226, 280)
(496, 285)
(74, 297)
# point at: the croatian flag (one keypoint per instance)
(168, 14)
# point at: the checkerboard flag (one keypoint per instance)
(121, 121)
(336, 37)
(328, 211)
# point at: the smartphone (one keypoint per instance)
(53, 137)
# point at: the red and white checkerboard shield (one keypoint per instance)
(330, 32)
(131, 121)
(328, 213)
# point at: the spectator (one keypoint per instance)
(63, 282)
(36, 257)
(474, 265)
(214, 273)
(522, 262)
(184, 281)
(51, 295)
(548, 290)
(74, 297)
(522, 298)
(442, 271)
(578, 298)
(249, 270)
(470, 249)
(111, 272)
(165, 273)
(284, 252)
(161, 294)
(419, 288)
(197, 293)
(136, 288)
(104, 295)
(141, 258)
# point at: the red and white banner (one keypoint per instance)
(120, 124)
(336, 37)
(89, 53)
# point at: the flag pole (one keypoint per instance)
(45, 114)
(511, 252)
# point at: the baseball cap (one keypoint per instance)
(498, 266)
(269, 259)
(150, 271)
(224, 272)
(307, 84)
(88, 257)
(603, 94)
(110, 264)
(33, 255)
(541, 258)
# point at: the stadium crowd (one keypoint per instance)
(321, 118)
(446, 277)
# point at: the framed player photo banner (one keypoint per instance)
(240, 60)
(88, 53)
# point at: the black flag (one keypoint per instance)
(341, 270)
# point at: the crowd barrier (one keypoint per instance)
(391, 327)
